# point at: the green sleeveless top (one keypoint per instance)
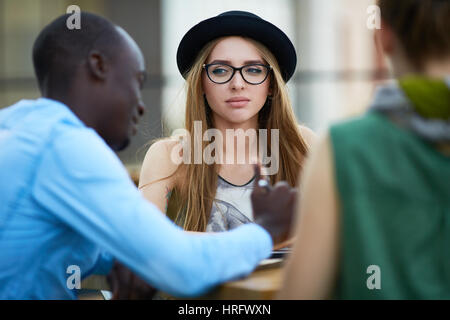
(394, 195)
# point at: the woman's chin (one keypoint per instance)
(238, 121)
(237, 118)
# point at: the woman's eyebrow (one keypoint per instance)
(254, 61)
(245, 62)
(221, 61)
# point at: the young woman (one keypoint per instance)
(236, 66)
(377, 225)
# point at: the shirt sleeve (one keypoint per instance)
(83, 183)
(104, 264)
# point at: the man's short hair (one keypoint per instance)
(423, 27)
(58, 50)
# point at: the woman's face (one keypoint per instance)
(235, 102)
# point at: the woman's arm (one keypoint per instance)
(311, 269)
(158, 178)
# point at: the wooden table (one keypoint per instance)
(261, 284)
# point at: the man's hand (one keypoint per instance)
(273, 207)
(125, 285)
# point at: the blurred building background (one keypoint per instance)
(337, 61)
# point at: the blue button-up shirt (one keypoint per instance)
(66, 200)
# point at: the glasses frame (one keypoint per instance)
(268, 66)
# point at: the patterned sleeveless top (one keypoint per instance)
(231, 207)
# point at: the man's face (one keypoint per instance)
(124, 89)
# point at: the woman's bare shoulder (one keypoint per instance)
(308, 135)
(161, 161)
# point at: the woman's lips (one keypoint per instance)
(238, 102)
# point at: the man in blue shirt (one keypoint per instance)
(66, 201)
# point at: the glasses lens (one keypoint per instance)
(255, 73)
(220, 73)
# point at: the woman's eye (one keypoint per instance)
(219, 71)
(254, 70)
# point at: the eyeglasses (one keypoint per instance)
(221, 73)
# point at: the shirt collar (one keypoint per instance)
(61, 106)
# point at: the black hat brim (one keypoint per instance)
(253, 27)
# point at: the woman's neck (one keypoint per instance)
(223, 124)
(239, 139)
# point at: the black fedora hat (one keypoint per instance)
(237, 23)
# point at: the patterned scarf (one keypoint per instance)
(419, 104)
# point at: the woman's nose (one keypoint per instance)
(237, 82)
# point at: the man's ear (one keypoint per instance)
(385, 39)
(97, 64)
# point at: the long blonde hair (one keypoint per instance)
(197, 188)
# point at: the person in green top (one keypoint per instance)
(374, 216)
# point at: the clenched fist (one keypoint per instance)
(273, 208)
